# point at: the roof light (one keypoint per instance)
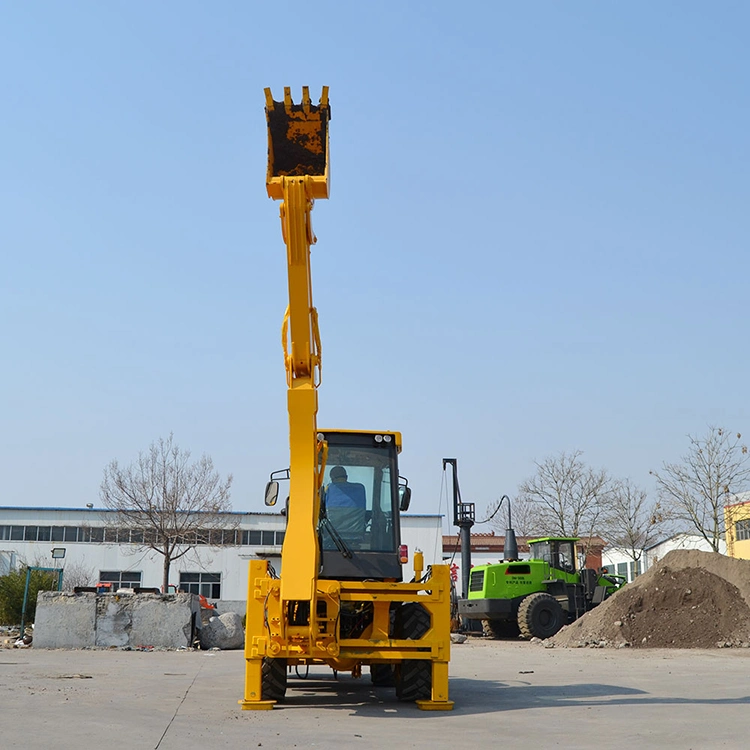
(378, 438)
(387, 438)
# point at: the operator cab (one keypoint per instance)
(559, 553)
(361, 495)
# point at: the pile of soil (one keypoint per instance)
(689, 599)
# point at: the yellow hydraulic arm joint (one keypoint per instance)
(297, 174)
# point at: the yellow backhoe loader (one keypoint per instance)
(341, 599)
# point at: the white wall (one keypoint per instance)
(417, 531)
(680, 541)
(613, 557)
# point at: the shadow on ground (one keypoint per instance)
(473, 697)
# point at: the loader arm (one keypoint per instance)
(297, 174)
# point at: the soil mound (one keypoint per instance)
(689, 599)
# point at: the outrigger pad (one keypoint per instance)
(297, 135)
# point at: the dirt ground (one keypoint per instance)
(689, 599)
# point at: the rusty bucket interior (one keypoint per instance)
(297, 141)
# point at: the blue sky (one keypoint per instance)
(536, 239)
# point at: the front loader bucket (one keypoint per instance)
(297, 142)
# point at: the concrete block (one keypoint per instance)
(165, 621)
(116, 620)
(64, 620)
(113, 621)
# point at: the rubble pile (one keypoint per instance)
(689, 599)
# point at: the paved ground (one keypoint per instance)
(507, 694)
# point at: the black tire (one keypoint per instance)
(540, 616)
(273, 679)
(382, 675)
(413, 677)
(500, 629)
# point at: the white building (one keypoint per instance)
(100, 553)
(619, 562)
(679, 541)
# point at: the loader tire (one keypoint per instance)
(382, 675)
(540, 616)
(414, 680)
(413, 676)
(273, 679)
(500, 629)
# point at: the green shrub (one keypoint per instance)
(11, 594)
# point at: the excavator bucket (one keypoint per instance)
(297, 142)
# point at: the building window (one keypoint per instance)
(121, 579)
(229, 537)
(4, 533)
(16, 533)
(268, 538)
(71, 534)
(622, 570)
(258, 538)
(742, 530)
(207, 584)
(97, 534)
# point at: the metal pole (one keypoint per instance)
(463, 517)
(25, 599)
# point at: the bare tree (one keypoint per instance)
(568, 496)
(693, 492)
(631, 522)
(171, 503)
(523, 517)
(78, 574)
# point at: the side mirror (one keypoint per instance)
(272, 493)
(405, 493)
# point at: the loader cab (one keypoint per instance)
(557, 552)
(361, 495)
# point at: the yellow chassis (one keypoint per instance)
(269, 635)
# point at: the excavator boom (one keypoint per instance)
(297, 174)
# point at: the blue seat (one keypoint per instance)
(345, 508)
(346, 495)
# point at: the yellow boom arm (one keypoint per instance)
(297, 174)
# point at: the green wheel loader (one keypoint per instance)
(535, 597)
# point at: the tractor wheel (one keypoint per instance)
(499, 629)
(273, 679)
(382, 675)
(413, 676)
(540, 616)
